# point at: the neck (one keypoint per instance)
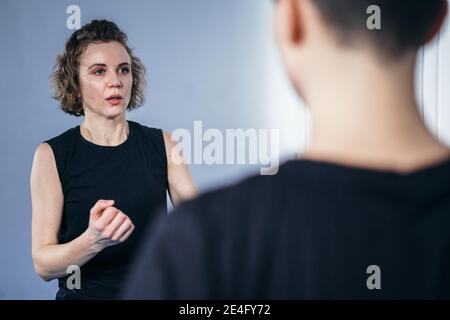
(367, 115)
(103, 131)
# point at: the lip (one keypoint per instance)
(114, 96)
(115, 99)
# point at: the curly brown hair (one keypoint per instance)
(65, 76)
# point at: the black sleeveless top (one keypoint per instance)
(134, 174)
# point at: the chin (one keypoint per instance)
(115, 112)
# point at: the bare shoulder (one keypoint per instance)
(170, 144)
(44, 164)
(168, 140)
(44, 152)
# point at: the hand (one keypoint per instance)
(108, 225)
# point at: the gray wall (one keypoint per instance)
(209, 60)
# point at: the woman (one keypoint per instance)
(95, 187)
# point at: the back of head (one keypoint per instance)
(405, 24)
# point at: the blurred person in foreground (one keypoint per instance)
(363, 213)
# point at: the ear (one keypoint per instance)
(288, 24)
(438, 23)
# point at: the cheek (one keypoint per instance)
(128, 84)
(92, 90)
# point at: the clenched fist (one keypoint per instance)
(108, 225)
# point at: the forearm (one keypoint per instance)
(52, 261)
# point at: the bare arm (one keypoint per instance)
(181, 186)
(107, 225)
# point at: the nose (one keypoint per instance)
(115, 82)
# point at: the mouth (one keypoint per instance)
(115, 99)
(114, 96)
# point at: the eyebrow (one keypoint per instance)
(104, 65)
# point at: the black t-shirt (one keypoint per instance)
(134, 174)
(315, 230)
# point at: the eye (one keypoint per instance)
(124, 70)
(99, 72)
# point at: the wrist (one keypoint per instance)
(89, 242)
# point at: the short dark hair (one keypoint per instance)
(405, 24)
(65, 76)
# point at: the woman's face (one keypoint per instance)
(105, 79)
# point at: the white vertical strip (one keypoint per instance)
(419, 79)
(444, 84)
(430, 84)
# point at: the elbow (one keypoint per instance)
(41, 271)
